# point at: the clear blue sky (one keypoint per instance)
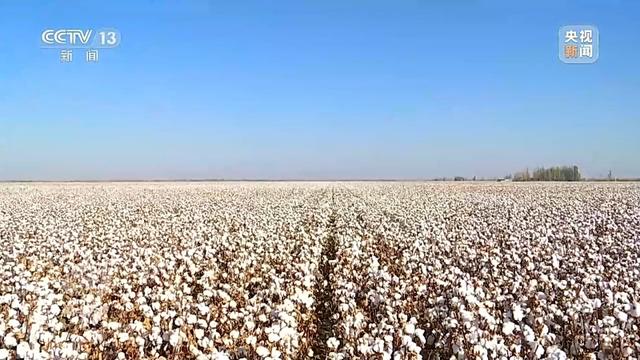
(317, 89)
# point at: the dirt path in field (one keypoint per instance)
(324, 293)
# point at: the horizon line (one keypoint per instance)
(437, 179)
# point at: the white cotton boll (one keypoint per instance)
(508, 328)
(206, 342)
(343, 307)
(471, 336)
(137, 326)
(199, 333)
(262, 351)
(89, 298)
(95, 318)
(364, 348)
(174, 338)
(123, 337)
(192, 319)
(178, 322)
(596, 303)
(112, 325)
(221, 356)
(155, 330)
(55, 310)
(76, 339)
(402, 316)
(14, 323)
(22, 350)
(4, 354)
(273, 337)
(517, 312)
(140, 341)
(275, 353)
(539, 350)
(406, 340)
(467, 316)
(621, 316)
(409, 328)
(146, 311)
(333, 343)
(544, 331)
(10, 341)
(609, 321)
(287, 333)
(491, 344)
(203, 309)
(251, 340)
(556, 354)
(453, 323)
(529, 335)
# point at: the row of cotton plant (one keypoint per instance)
(489, 271)
(151, 271)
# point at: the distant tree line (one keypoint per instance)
(555, 173)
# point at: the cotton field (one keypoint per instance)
(317, 270)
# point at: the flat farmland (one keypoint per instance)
(320, 270)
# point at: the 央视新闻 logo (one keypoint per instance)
(578, 44)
